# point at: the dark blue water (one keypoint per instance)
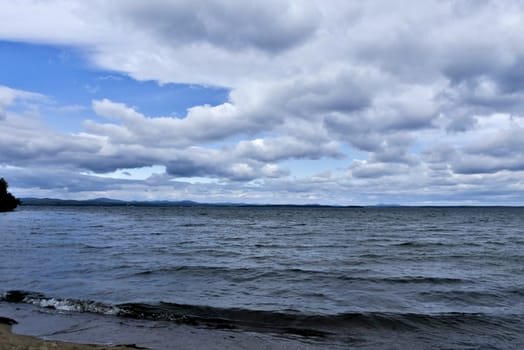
(436, 277)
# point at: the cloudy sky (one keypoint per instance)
(271, 101)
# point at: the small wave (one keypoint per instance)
(95, 247)
(233, 272)
(59, 303)
(284, 322)
(423, 279)
(405, 280)
(468, 297)
(193, 225)
(242, 274)
(421, 244)
(311, 325)
(194, 269)
(516, 291)
(96, 226)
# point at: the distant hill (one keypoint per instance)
(100, 202)
(108, 202)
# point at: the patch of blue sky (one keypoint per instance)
(351, 153)
(417, 147)
(71, 83)
(325, 165)
(314, 167)
(141, 173)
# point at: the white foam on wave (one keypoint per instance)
(72, 305)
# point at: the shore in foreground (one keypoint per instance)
(74, 328)
(10, 341)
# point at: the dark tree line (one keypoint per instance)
(7, 200)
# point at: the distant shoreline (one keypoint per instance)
(119, 203)
(108, 202)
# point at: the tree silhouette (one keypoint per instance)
(7, 200)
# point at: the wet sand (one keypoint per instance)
(11, 341)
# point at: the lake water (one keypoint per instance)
(333, 277)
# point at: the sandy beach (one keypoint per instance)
(11, 341)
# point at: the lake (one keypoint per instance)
(327, 277)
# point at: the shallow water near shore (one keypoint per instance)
(322, 277)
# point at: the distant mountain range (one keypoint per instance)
(109, 202)
(162, 203)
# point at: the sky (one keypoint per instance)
(275, 101)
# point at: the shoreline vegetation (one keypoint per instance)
(10, 340)
(8, 202)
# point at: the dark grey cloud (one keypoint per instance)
(502, 143)
(477, 96)
(271, 26)
(205, 163)
(337, 91)
(51, 179)
(460, 122)
(487, 165)
(511, 79)
(500, 151)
